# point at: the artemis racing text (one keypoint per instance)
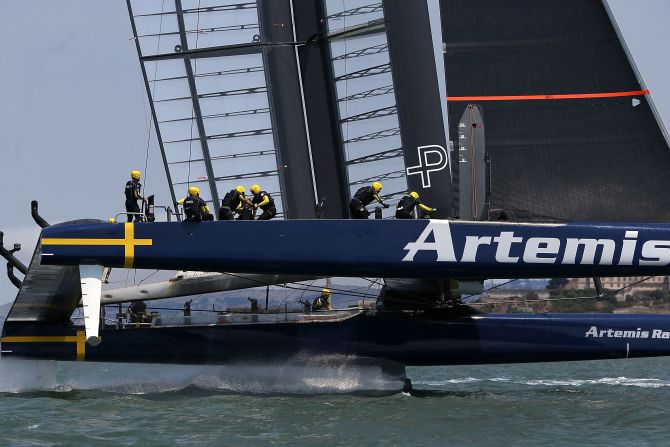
(595, 332)
(511, 248)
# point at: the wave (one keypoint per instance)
(618, 381)
(615, 381)
(329, 376)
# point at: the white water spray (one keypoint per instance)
(317, 376)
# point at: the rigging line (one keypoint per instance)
(153, 95)
(150, 275)
(629, 285)
(195, 72)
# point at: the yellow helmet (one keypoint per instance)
(325, 291)
(414, 194)
(377, 186)
(135, 175)
(240, 189)
(255, 189)
(111, 220)
(193, 191)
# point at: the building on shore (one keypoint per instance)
(629, 284)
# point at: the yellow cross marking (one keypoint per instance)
(80, 339)
(128, 242)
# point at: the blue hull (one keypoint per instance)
(405, 338)
(388, 248)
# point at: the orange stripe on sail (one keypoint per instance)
(548, 96)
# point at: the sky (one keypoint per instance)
(74, 118)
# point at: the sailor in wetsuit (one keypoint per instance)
(322, 302)
(264, 201)
(363, 197)
(138, 312)
(196, 209)
(234, 202)
(133, 194)
(408, 203)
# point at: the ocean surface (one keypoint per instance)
(600, 403)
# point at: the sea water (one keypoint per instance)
(597, 403)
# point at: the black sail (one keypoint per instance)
(590, 148)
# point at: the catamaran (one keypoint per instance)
(314, 99)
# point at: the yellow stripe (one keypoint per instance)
(81, 346)
(129, 251)
(128, 242)
(40, 339)
(79, 339)
(66, 241)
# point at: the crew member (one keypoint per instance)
(138, 312)
(187, 308)
(264, 201)
(233, 202)
(363, 197)
(407, 204)
(195, 209)
(322, 302)
(133, 194)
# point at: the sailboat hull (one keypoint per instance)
(405, 338)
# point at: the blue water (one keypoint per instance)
(603, 403)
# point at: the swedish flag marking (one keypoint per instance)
(128, 242)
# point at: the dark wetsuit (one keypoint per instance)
(406, 207)
(269, 209)
(230, 202)
(321, 302)
(138, 312)
(196, 209)
(133, 194)
(363, 197)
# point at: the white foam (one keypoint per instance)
(323, 376)
(612, 381)
(447, 382)
(618, 381)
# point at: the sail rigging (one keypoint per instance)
(212, 109)
(301, 97)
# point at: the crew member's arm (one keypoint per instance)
(264, 202)
(136, 192)
(426, 208)
(379, 199)
(246, 200)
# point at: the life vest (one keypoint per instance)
(365, 195)
(132, 190)
(192, 208)
(407, 204)
(231, 200)
(258, 198)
